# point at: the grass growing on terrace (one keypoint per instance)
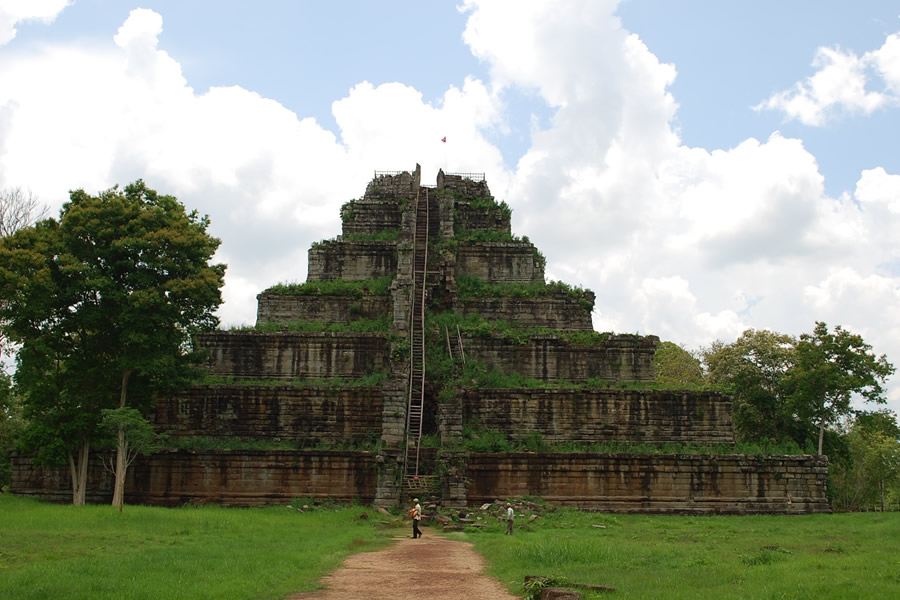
(678, 557)
(95, 553)
(334, 287)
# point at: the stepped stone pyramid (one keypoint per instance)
(424, 325)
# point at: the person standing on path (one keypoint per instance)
(510, 515)
(416, 515)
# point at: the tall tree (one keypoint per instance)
(106, 300)
(19, 209)
(830, 367)
(676, 366)
(753, 369)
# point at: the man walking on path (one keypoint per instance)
(510, 515)
(416, 515)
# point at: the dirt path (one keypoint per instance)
(429, 568)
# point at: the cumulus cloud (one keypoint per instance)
(687, 243)
(691, 244)
(13, 12)
(271, 181)
(841, 84)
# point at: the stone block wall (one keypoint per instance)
(548, 357)
(225, 477)
(395, 185)
(368, 216)
(592, 416)
(304, 414)
(654, 483)
(561, 312)
(498, 262)
(481, 219)
(352, 261)
(462, 186)
(277, 308)
(294, 355)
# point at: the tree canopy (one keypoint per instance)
(787, 388)
(104, 302)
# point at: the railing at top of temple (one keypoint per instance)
(380, 173)
(476, 177)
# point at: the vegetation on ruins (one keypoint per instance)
(334, 287)
(104, 302)
(385, 235)
(361, 325)
(471, 286)
(372, 379)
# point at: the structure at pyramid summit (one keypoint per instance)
(426, 355)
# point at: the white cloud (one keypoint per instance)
(13, 12)
(840, 85)
(272, 182)
(687, 243)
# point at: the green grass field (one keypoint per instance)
(93, 552)
(648, 556)
(55, 551)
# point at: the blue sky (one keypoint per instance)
(703, 167)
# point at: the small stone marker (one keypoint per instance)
(599, 526)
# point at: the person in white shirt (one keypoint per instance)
(416, 515)
(510, 515)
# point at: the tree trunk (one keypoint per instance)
(121, 469)
(121, 449)
(881, 489)
(78, 469)
(821, 434)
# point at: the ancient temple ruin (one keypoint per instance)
(424, 343)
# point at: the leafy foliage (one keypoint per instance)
(832, 366)
(104, 302)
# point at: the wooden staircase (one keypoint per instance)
(416, 403)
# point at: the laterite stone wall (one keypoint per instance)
(293, 354)
(551, 358)
(654, 483)
(228, 478)
(306, 414)
(562, 312)
(592, 416)
(278, 308)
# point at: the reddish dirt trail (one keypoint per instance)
(430, 568)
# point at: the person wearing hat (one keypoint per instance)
(416, 515)
(510, 515)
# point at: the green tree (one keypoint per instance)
(133, 435)
(676, 366)
(10, 426)
(874, 464)
(830, 368)
(104, 302)
(753, 370)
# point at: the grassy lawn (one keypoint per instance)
(56, 551)
(642, 556)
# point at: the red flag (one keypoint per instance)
(444, 139)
